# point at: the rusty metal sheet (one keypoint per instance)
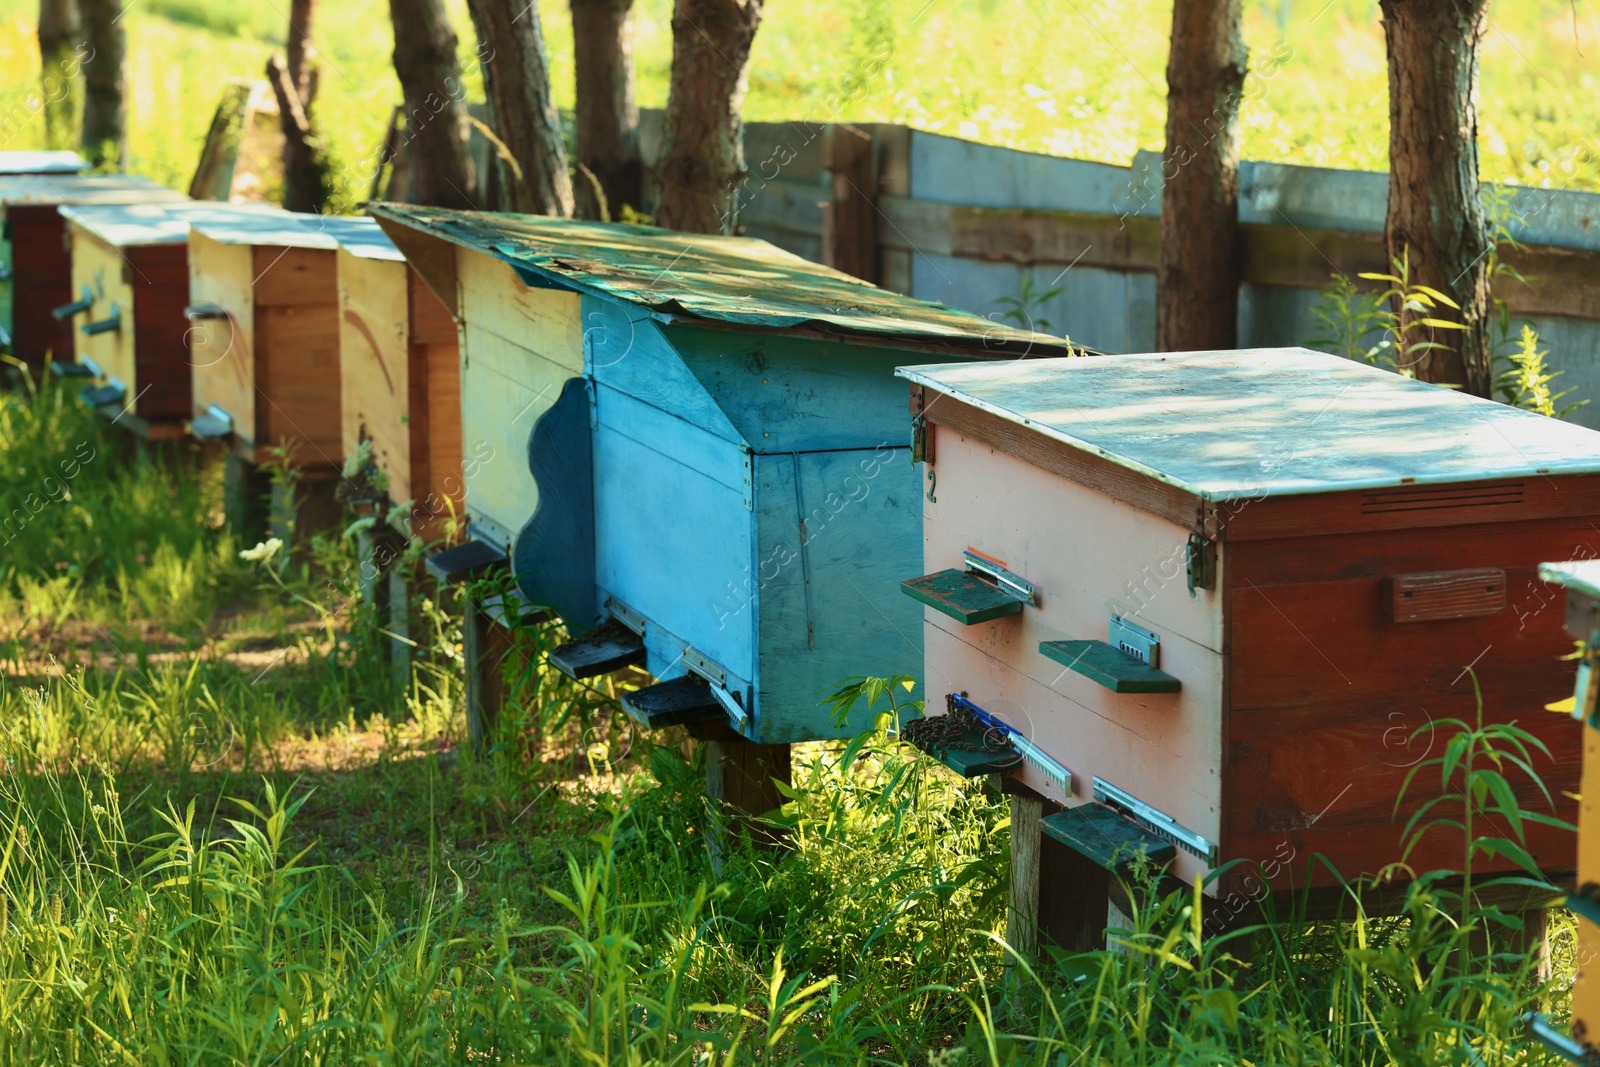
(712, 279)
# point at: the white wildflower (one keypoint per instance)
(264, 551)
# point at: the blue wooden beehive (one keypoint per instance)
(726, 490)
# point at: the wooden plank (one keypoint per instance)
(298, 352)
(223, 351)
(38, 247)
(962, 596)
(1100, 475)
(850, 218)
(1329, 644)
(432, 257)
(103, 270)
(375, 367)
(434, 353)
(1110, 667)
(1538, 498)
(1110, 840)
(606, 649)
(163, 381)
(495, 300)
(1445, 594)
(965, 172)
(294, 277)
(1022, 917)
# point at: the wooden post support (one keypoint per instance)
(485, 646)
(850, 216)
(245, 491)
(1022, 917)
(1058, 896)
(740, 784)
(400, 624)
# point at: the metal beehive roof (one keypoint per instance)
(42, 163)
(1266, 422)
(272, 227)
(128, 225)
(1580, 575)
(19, 190)
(358, 235)
(710, 279)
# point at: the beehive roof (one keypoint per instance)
(1579, 575)
(128, 225)
(358, 235)
(44, 189)
(272, 227)
(42, 163)
(1267, 422)
(712, 280)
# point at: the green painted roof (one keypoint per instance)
(1267, 422)
(709, 279)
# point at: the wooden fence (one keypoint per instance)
(965, 224)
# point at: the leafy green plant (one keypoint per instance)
(1023, 307)
(1414, 311)
(1527, 382)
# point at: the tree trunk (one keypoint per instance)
(435, 131)
(702, 150)
(608, 118)
(104, 140)
(294, 83)
(516, 79)
(1436, 218)
(1197, 279)
(60, 34)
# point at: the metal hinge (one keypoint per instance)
(1202, 560)
(919, 440)
(749, 479)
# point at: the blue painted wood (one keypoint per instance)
(672, 543)
(784, 393)
(553, 555)
(624, 348)
(682, 441)
(829, 603)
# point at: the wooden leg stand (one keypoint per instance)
(740, 778)
(246, 489)
(486, 644)
(400, 626)
(313, 509)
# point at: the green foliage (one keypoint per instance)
(1022, 308)
(1527, 382)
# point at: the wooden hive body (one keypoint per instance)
(713, 447)
(265, 350)
(1372, 538)
(130, 263)
(400, 375)
(34, 236)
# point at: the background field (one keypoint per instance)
(1080, 78)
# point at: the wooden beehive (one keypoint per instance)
(33, 234)
(1319, 551)
(130, 274)
(264, 343)
(56, 164)
(400, 369)
(718, 456)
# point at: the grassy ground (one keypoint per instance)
(1079, 79)
(228, 835)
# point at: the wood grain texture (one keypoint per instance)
(375, 371)
(1102, 476)
(162, 374)
(222, 352)
(438, 484)
(1445, 594)
(1522, 500)
(101, 268)
(297, 353)
(41, 279)
(1022, 917)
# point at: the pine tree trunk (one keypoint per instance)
(1197, 280)
(702, 151)
(60, 34)
(607, 119)
(294, 83)
(1436, 218)
(516, 79)
(104, 139)
(435, 120)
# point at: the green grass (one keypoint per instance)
(232, 838)
(1084, 79)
